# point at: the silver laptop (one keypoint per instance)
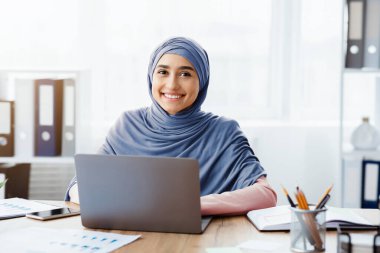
(140, 193)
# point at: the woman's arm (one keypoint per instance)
(257, 196)
(73, 193)
(72, 190)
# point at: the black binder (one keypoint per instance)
(48, 117)
(355, 42)
(346, 244)
(370, 184)
(7, 129)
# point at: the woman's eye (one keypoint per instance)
(185, 74)
(162, 72)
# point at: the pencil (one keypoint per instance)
(301, 199)
(306, 204)
(288, 197)
(305, 220)
(309, 220)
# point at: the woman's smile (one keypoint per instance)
(175, 84)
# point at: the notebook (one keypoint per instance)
(278, 218)
(140, 193)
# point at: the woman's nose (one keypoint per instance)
(172, 82)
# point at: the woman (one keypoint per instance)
(232, 179)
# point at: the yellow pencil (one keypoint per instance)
(303, 199)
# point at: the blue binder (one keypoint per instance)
(370, 184)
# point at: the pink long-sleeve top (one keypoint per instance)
(257, 196)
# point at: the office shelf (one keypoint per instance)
(360, 154)
(81, 104)
(38, 160)
(362, 71)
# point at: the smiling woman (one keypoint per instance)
(175, 83)
(231, 176)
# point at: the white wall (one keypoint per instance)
(303, 155)
(303, 81)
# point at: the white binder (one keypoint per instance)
(6, 128)
(372, 35)
(24, 123)
(68, 121)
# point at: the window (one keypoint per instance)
(269, 60)
(236, 35)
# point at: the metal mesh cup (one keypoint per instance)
(308, 230)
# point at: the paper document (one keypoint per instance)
(278, 218)
(260, 245)
(46, 240)
(17, 207)
(223, 250)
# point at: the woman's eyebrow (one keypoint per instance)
(182, 67)
(186, 67)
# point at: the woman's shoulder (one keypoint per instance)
(223, 121)
(130, 115)
(136, 113)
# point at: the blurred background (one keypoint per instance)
(277, 67)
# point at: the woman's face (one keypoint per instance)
(175, 83)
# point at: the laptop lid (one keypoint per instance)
(139, 193)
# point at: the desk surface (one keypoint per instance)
(222, 232)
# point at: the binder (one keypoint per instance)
(352, 183)
(24, 121)
(372, 34)
(48, 117)
(6, 128)
(355, 43)
(370, 184)
(351, 242)
(68, 128)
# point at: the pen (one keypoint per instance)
(323, 197)
(323, 202)
(288, 197)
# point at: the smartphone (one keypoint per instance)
(53, 214)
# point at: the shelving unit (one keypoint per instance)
(82, 102)
(360, 154)
(360, 97)
(38, 160)
(366, 103)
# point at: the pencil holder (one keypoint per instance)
(308, 229)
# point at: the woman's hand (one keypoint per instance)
(257, 196)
